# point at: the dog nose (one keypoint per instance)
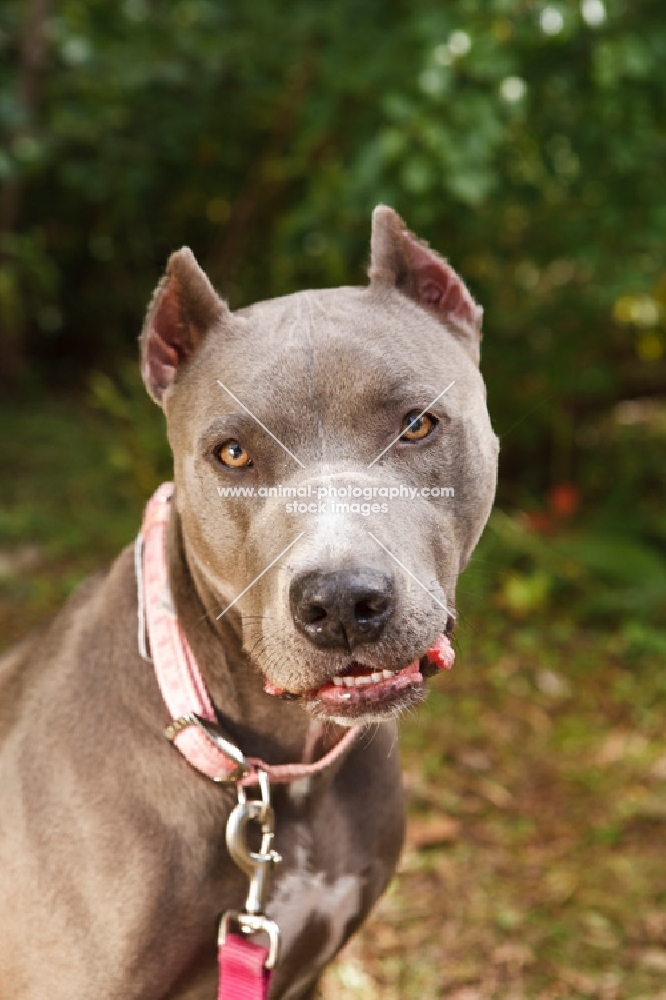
(341, 609)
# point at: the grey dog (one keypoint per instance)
(114, 870)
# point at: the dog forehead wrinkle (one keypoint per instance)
(353, 315)
(371, 391)
(276, 316)
(374, 343)
(384, 353)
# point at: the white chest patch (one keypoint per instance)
(299, 790)
(303, 896)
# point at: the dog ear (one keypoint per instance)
(183, 308)
(400, 259)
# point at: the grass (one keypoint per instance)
(542, 875)
(536, 772)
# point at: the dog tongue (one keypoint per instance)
(440, 654)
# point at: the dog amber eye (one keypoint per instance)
(417, 426)
(233, 454)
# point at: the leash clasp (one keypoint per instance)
(257, 865)
(250, 923)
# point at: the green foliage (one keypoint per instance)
(138, 452)
(592, 575)
(524, 139)
(520, 138)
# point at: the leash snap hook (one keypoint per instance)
(257, 865)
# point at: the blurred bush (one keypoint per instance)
(524, 139)
(139, 455)
(593, 552)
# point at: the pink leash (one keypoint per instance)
(243, 972)
(245, 968)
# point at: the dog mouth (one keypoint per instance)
(361, 690)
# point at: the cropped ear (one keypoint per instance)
(401, 260)
(183, 308)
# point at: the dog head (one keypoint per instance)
(334, 466)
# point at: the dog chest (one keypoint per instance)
(316, 912)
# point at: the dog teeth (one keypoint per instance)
(361, 680)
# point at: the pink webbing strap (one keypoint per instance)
(243, 972)
(176, 670)
(178, 675)
(282, 774)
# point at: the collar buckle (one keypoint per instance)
(214, 734)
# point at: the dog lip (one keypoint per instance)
(367, 690)
(352, 667)
(366, 683)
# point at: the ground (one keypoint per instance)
(534, 867)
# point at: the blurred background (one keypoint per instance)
(527, 142)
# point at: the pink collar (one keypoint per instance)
(194, 730)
